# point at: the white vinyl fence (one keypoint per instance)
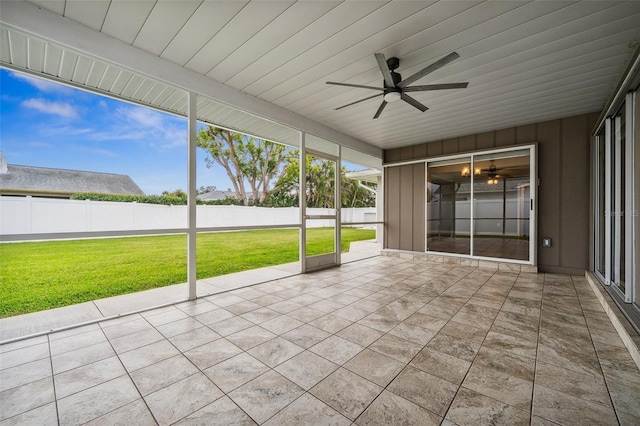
(29, 215)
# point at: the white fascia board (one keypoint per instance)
(31, 19)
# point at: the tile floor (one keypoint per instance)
(380, 341)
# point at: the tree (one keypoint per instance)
(246, 160)
(320, 187)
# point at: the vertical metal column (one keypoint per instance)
(302, 203)
(338, 206)
(607, 201)
(191, 196)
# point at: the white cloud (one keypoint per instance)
(142, 116)
(48, 107)
(44, 85)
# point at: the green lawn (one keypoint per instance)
(35, 276)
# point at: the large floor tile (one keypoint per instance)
(390, 409)
(134, 413)
(346, 392)
(193, 393)
(509, 389)
(306, 336)
(148, 355)
(373, 366)
(442, 365)
(45, 415)
(74, 359)
(250, 337)
(275, 351)
(265, 395)
(336, 349)
(96, 401)
(24, 373)
(584, 386)
(222, 412)
(306, 369)
(396, 348)
(470, 408)
(25, 398)
(87, 376)
(236, 371)
(194, 338)
(426, 390)
(212, 353)
(161, 374)
(310, 411)
(565, 409)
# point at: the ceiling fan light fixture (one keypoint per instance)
(392, 97)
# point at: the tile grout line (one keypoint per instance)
(483, 340)
(535, 365)
(604, 377)
(53, 381)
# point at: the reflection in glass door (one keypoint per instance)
(322, 211)
(482, 205)
(449, 206)
(502, 201)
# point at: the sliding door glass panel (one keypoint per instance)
(449, 206)
(601, 209)
(618, 192)
(502, 205)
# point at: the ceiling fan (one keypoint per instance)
(395, 88)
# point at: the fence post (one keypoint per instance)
(28, 215)
(87, 216)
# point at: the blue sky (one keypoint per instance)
(47, 124)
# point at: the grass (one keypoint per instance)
(36, 276)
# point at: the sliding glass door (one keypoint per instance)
(482, 205)
(502, 201)
(449, 206)
(615, 211)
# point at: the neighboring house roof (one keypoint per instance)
(367, 175)
(29, 180)
(216, 195)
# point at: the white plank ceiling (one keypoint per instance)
(525, 61)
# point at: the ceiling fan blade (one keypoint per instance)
(382, 64)
(357, 102)
(436, 87)
(379, 111)
(355, 85)
(431, 68)
(408, 99)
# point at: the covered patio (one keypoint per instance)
(387, 340)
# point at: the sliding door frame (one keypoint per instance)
(533, 212)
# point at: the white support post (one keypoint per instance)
(338, 206)
(191, 196)
(607, 201)
(302, 202)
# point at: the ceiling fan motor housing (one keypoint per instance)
(393, 63)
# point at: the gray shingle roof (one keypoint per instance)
(44, 180)
(216, 195)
